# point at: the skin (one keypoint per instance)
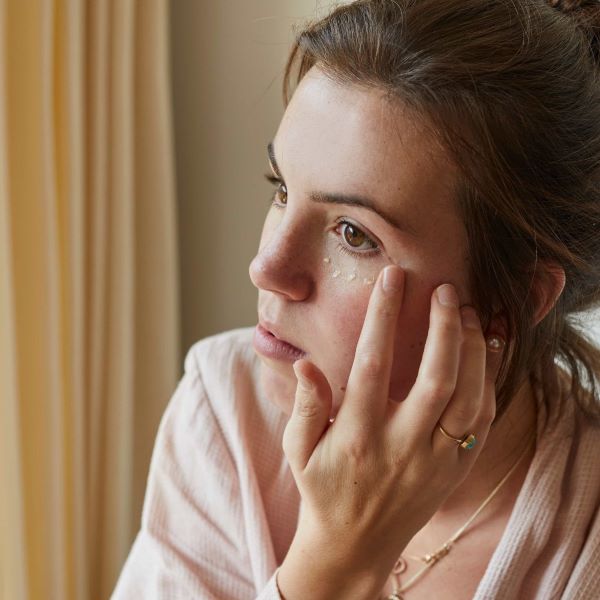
(388, 366)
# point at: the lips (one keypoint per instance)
(268, 343)
(275, 331)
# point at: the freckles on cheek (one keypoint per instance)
(348, 309)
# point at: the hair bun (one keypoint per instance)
(586, 14)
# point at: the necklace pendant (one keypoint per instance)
(438, 555)
(395, 596)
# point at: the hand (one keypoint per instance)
(372, 478)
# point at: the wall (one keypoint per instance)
(227, 61)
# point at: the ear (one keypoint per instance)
(548, 284)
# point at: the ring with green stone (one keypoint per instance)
(467, 441)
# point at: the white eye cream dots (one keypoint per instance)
(348, 276)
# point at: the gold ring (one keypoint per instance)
(466, 442)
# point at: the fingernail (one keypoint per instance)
(392, 279)
(469, 317)
(447, 295)
(495, 343)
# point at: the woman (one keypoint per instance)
(415, 413)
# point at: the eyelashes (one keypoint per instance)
(278, 187)
(346, 225)
(350, 228)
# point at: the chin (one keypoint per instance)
(278, 383)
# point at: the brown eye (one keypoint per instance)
(356, 242)
(281, 194)
(354, 236)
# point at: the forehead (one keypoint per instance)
(356, 140)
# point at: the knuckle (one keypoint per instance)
(474, 340)
(436, 390)
(384, 311)
(356, 449)
(371, 364)
(448, 326)
(462, 412)
(306, 407)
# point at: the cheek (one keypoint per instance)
(346, 310)
(340, 314)
(410, 338)
(341, 268)
(278, 387)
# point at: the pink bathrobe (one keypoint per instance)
(221, 504)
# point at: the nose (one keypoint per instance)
(282, 265)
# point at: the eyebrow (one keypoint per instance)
(347, 199)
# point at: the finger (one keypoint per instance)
(438, 372)
(310, 416)
(367, 391)
(461, 415)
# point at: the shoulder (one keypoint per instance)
(223, 362)
(213, 368)
(576, 442)
(221, 351)
(565, 414)
(228, 367)
(586, 435)
(228, 370)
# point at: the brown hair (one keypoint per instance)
(512, 90)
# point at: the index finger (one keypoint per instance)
(368, 384)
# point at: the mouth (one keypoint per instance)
(268, 344)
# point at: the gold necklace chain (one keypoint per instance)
(432, 559)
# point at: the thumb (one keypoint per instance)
(310, 416)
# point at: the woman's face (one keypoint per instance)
(318, 259)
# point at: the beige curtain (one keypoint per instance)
(89, 325)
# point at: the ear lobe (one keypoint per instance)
(548, 285)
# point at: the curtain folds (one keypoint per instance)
(89, 317)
